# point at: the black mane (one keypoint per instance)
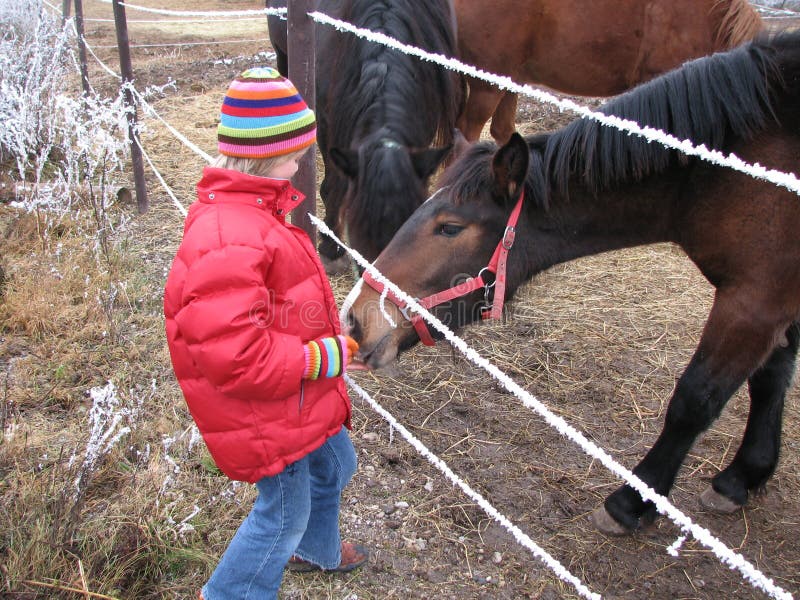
(379, 87)
(710, 101)
(380, 98)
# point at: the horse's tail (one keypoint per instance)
(740, 23)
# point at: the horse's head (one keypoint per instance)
(387, 181)
(448, 241)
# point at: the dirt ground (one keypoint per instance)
(600, 341)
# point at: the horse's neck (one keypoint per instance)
(584, 225)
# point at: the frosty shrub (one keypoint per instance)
(109, 421)
(63, 148)
(34, 70)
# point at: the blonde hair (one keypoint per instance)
(260, 167)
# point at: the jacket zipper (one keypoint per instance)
(302, 398)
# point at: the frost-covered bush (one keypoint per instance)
(110, 419)
(34, 70)
(61, 146)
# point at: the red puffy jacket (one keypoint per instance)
(245, 292)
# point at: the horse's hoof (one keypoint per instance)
(336, 266)
(606, 523)
(713, 500)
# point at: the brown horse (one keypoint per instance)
(597, 48)
(588, 189)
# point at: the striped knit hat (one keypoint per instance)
(263, 116)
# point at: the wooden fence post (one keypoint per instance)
(301, 49)
(81, 45)
(127, 77)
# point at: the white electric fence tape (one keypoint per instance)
(522, 538)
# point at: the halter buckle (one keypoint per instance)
(487, 288)
(404, 310)
(480, 275)
(509, 236)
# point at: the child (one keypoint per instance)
(253, 334)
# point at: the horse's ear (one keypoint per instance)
(460, 144)
(346, 161)
(425, 162)
(510, 167)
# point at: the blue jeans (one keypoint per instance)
(296, 512)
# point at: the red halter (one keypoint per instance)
(497, 265)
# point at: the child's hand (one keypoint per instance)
(352, 348)
(328, 356)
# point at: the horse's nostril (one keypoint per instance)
(352, 327)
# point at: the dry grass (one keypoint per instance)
(600, 341)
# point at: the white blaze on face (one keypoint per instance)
(436, 193)
(382, 305)
(351, 298)
(348, 303)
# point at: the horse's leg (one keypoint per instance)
(481, 103)
(757, 457)
(277, 36)
(737, 338)
(282, 62)
(504, 118)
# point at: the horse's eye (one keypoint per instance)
(449, 229)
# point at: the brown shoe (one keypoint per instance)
(353, 556)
